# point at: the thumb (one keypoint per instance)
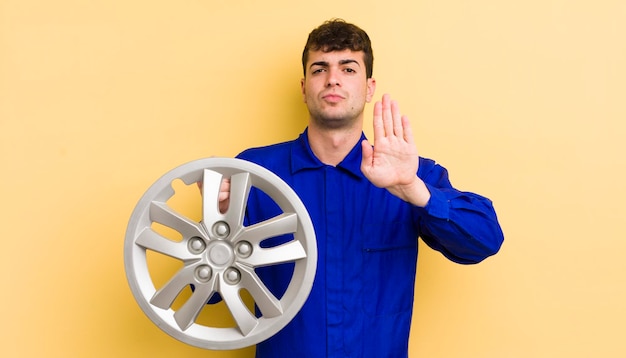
(368, 153)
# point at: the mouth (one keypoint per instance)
(332, 98)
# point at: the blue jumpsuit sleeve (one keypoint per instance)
(463, 226)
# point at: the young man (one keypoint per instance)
(369, 204)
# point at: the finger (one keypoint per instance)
(379, 130)
(397, 120)
(224, 195)
(408, 132)
(387, 115)
(224, 190)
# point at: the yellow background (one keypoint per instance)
(523, 101)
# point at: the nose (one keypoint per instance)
(333, 79)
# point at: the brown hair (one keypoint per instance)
(338, 35)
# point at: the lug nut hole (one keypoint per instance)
(196, 245)
(244, 249)
(221, 229)
(232, 276)
(203, 273)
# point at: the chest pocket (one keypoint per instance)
(390, 260)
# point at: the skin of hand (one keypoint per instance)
(393, 161)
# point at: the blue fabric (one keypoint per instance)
(362, 297)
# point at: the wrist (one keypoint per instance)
(416, 192)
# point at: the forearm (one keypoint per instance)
(462, 226)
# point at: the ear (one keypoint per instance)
(302, 89)
(371, 88)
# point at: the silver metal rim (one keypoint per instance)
(220, 254)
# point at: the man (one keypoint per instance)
(369, 204)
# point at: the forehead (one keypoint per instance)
(335, 57)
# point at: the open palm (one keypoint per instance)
(392, 162)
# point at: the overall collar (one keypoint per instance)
(302, 157)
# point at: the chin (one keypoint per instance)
(333, 122)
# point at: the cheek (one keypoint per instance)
(309, 92)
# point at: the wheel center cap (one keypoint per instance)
(220, 254)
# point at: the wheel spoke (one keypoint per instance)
(243, 317)
(268, 304)
(188, 313)
(285, 223)
(288, 252)
(211, 183)
(166, 295)
(163, 214)
(150, 240)
(239, 189)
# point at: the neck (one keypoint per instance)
(331, 146)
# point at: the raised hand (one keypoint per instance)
(393, 161)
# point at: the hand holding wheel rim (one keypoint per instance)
(220, 254)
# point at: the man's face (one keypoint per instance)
(336, 88)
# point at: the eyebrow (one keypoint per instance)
(341, 62)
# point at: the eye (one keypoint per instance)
(349, 70)
(318, 70)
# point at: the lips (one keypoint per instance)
(332, 97)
